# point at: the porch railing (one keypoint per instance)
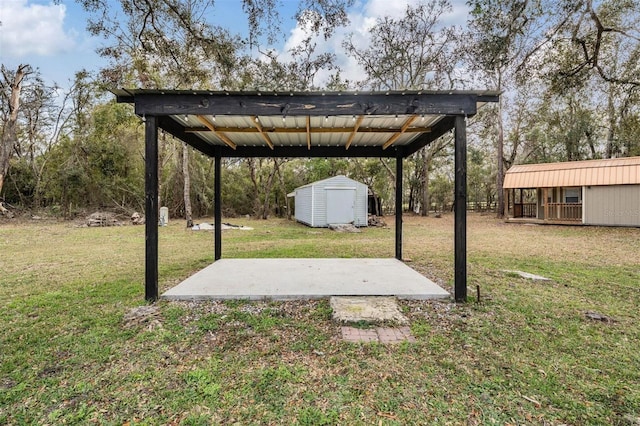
(564, 211)
(524, 210)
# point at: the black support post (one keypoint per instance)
(151, 208)
(460, 286)
(217, 210)
(399, 160)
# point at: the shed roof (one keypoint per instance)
(614, 171)
(329, 179)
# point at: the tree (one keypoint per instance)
(298, 74)
(572, 44)
(502, 35)
(412, 52)
(167, 44)
(188, 214)
(588, 34)
(599, 52)
(11, 88)
(172, 44)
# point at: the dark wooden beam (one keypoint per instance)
(460, 225)
(217, 209)
(301, 104)
(488, 98)
(293, 130)
(439, 129)
(151, 209)
(174, 128)
(304, 152)
(399, 172)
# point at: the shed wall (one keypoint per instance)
(314, 207)
(304, 205)
(362, 197)
(319, 205)
(612, 205)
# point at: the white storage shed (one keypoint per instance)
(336, 200)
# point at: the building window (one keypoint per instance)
(572, 195)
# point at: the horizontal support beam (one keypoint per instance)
(305, 152)
(311, 129)
(304, 104)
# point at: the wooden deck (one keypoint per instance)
(534, 221)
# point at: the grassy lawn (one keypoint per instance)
(526, 354)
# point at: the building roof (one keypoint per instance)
(306, 124)
(330, 179)
(614, 171)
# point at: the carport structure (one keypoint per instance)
(305, 124)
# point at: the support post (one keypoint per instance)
(460, 226)
(545, 200)
(398, 209)
(217, 210)
(151, 209)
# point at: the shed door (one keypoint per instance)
(341, 205)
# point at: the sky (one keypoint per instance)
(52, 36)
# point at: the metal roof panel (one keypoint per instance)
(615, 171)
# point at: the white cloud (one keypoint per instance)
(380, 8)
(363, 17)
(361, 20)
(33, 29)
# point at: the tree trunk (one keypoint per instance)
(283, 188)
(500, 155)
(426, 165)
(9, 136)
(267, 190)
(187, 186)
(611, 112)
(254, 181)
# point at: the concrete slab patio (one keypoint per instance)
(286, 279)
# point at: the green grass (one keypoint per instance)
(525, 354)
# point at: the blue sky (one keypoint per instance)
(53, 37)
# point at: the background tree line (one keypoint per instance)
(569, 72)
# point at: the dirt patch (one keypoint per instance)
(143, 316)
(369, 309)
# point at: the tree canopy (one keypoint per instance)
(569, 72)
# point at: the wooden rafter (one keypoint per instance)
(221, 135)
(403, 129)
(308, 132)
(268, 130)
(354, 132)
(266, 138)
